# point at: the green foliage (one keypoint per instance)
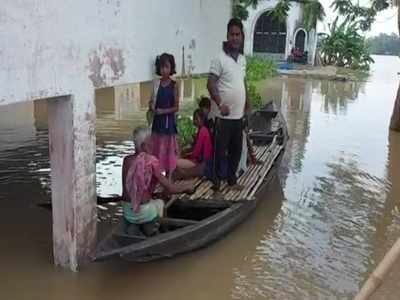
(186, 130)
(313, 11)
(362, 16)
(280, 11)
(240, 8)
(239, 11)
(385, 44)
(343, 46)
(257, 69)
(254, 95)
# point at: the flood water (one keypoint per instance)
(318, 232)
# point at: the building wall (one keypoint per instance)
(50, 48)
(293, 23)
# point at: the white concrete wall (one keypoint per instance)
(50, 48)
(292, 22)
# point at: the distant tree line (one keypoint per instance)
(384, 44)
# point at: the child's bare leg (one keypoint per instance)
(197, 170)
(185, 164)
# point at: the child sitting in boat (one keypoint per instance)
(205, 106)
(140, 174)
(198, 161)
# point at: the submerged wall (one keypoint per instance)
(63, 51)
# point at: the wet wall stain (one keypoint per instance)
(106, 64)
(192, 44)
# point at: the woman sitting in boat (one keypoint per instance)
(198, 161)
(140, 174)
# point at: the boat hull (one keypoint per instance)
(185, 239)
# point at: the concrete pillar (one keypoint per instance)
(73, 178)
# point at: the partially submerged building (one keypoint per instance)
(63, 51)
(273, 38)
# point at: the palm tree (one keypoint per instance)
(344, 46)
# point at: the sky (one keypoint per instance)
(386, 21)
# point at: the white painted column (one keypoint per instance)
(73, 178)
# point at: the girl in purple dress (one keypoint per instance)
(164, 106)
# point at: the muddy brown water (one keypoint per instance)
(317, 234)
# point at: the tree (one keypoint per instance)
(239, 8)
(384, 44)
(344, 46)
(313, 11)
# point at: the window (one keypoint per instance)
(269, 35)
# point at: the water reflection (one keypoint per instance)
(337, 189)
(338, 94)
(295, 106)
(387, 227)
(253, 271)
(18, 118)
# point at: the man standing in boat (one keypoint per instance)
(227, 88)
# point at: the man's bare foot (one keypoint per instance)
(236, 187)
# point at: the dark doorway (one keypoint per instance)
(300, 40)
(269, 35)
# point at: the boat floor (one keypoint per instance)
(251, 179)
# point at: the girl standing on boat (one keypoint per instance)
(140, 174)
(164, 105)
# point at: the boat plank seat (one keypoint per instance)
(267, 147)
(251, 179)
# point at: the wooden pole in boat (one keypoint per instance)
(378, 275)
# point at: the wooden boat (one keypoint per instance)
(196, 220)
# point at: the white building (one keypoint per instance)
(268, 37)
(63, 51)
